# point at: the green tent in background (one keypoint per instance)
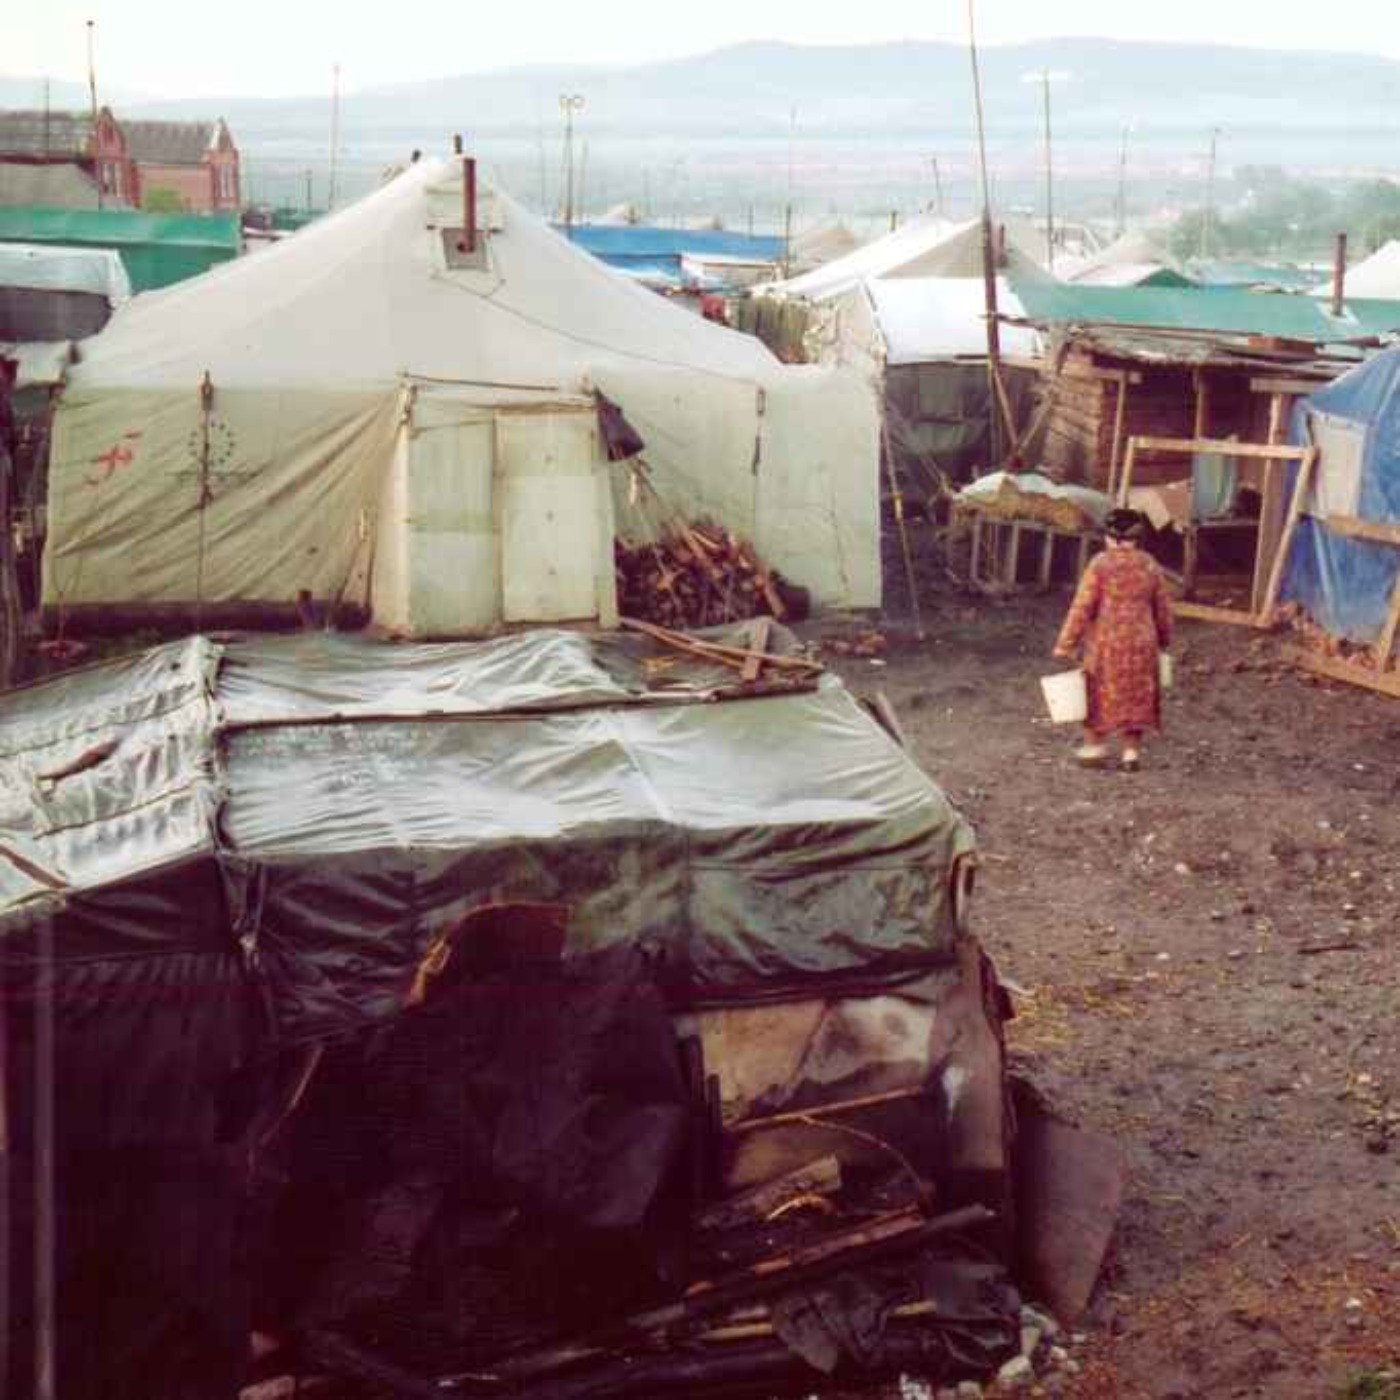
(157, 249)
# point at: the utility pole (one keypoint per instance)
(1208, 222)
(92, 105)
(1121, 221)
(1049, 179)
(583, 185)
(569, 103)
(937, 189)
(335, 133)
(308, 191)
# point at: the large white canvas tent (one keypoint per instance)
(1377, 276)
(375, 412)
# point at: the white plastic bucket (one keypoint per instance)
(1066, 697)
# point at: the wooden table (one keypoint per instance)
(999, 541)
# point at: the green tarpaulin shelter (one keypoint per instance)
(157, 249)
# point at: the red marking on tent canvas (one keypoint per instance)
(116, 456)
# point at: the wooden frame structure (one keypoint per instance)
(1000, 538)
(1268, 571)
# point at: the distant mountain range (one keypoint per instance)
(752, 88)
(748, 129)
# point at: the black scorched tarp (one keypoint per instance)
(327, 806)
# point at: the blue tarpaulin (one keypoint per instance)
(1345, 584)
(654, 254)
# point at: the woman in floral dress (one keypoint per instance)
(1121, 618)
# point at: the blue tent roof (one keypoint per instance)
(648, 244)
(1345, 584)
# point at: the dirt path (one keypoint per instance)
(1158, 923)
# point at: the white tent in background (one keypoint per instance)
(923, 319)
(371, 412)
(1377, 276)
(926, 246)
(1134, 260)
(821, 244)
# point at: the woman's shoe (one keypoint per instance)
(1132, 760)
(1091, 755)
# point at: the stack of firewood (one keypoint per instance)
(697, 576)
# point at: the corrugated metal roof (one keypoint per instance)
(40, 133)
(1205, 309)
(169, 143)
(64, 186)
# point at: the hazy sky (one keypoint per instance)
(172, 48)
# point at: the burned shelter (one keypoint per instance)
(355, 990)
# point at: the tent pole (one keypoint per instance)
(989, 273)
(897, 498)
(45, 1201)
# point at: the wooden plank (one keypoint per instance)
(714, 651)
(1013, 554)
(1272, 508)
(1222, 447)
(1348, 671)
(1108, 376)
(1128, 464)
(1201, 385)
(1354, 528)
(1119, 413)
(1191, 559)
(760, 629)
(976, 547)
(1047, 557)
(1386, 645)
(1290, 527)
(1069, 1188)
(1205, 612)
(1292, 388)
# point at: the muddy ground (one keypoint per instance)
(1207, 954)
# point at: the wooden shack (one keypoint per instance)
(1104, 386)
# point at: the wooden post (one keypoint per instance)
(989, 293)
(1386, 646)
(976, 559)
(1013, 552)
(1339, 277)
(1271, 508)
(1129, 463)
(1290, 526)
(1047, 557)
(1202, 388)
(11, 618)
(1119, 417)
(1191, 561)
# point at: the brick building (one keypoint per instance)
(67, 160)
(196, 161)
